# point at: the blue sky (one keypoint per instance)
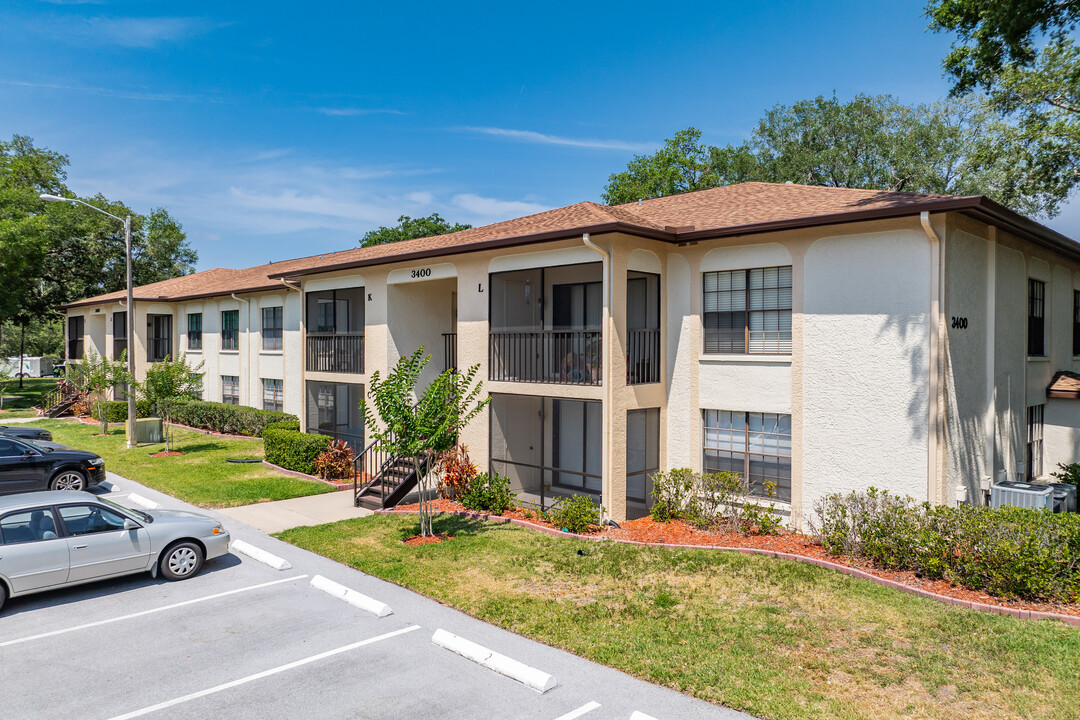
(274, 130)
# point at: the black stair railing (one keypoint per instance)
(377, 468)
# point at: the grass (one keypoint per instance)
(19, 402)
(777, 639)
(200, 476)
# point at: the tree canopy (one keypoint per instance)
(410, 228)
(1022, 55)
(53, 253)
(956, 146)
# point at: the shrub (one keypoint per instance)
(221, 417)
(115, 411)
(488, 493)
(456, 472)
(336, 462)
(712, 500)
(577, 514)
(1068, 474)
(1012, 552)
(282, 425)
(294, 450)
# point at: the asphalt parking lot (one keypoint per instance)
(245, 640)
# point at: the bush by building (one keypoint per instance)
(488, 493)
(294, 450)
(222, 417)
(116, 411)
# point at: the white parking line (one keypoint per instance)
(529, 676)
(263, 674)
(261, 555)
(149, 612)
(354, 598)
(145, 502)
(588, 707)
(638, 715)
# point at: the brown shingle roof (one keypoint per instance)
(724, 211)
(1065, 384)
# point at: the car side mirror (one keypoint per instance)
(130, 524)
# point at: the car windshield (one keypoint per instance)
(131, 511)
(42, 448)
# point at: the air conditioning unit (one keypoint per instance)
(1021, 494)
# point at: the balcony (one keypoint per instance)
(335, 353)
(566, 357)
(449, 351)
(642, 357)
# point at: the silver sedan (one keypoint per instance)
(55, 539)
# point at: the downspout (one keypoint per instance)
(990, 417)
(289, 285)
(606, 342)
(247, 333)
(934, 492)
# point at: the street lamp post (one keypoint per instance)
(130, 307)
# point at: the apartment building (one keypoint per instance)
(814, 339)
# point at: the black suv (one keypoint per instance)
(26, 466)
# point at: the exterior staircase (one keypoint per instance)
(61, 400)
(382, 480)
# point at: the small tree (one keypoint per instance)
(418, 431)
(96, 375)
(170, 379)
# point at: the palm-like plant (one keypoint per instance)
(419, 430)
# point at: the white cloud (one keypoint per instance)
(352, 112)
(534, 137)
(127, 31)
(493, 209)
(109, 92)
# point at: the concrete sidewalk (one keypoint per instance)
(272, 517)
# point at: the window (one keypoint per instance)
(75, 338)
(119, 333)
(335, 312)
(194, 331)
(90, 519)
(159, 340)
(272, 394)
(10, 449)
(755, 445)
(28, 526)
(230, 330)
(1076, 322)
(642, 453)
(271, 328)
(230, 389)
(577, 427)
(748, 311)
(1034, 450)
(1036, 318)
(334, 409)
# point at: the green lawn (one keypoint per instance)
(18, 402)
(777, 639)
(200, 476)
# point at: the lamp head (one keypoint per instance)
(53, 198)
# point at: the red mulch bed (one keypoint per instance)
(677, 532)
(166, 453)
(428, 540)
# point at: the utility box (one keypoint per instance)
(147, 430)
(1021, 494)
(1064, 497)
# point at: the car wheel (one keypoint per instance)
(68, 480)
(3, 595)
(181, 561)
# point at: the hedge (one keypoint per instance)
(294, 450)
(116, 411)
(220, 417)
(282, 425)
(1009, 551)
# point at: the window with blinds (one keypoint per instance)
(748, 311)
(754, 445)
(1036, 318)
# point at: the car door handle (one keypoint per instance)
(78, 547)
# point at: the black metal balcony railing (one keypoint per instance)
(157, 349)
(335, 353)
(642, 357)
(566, 357)
(449, 343)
